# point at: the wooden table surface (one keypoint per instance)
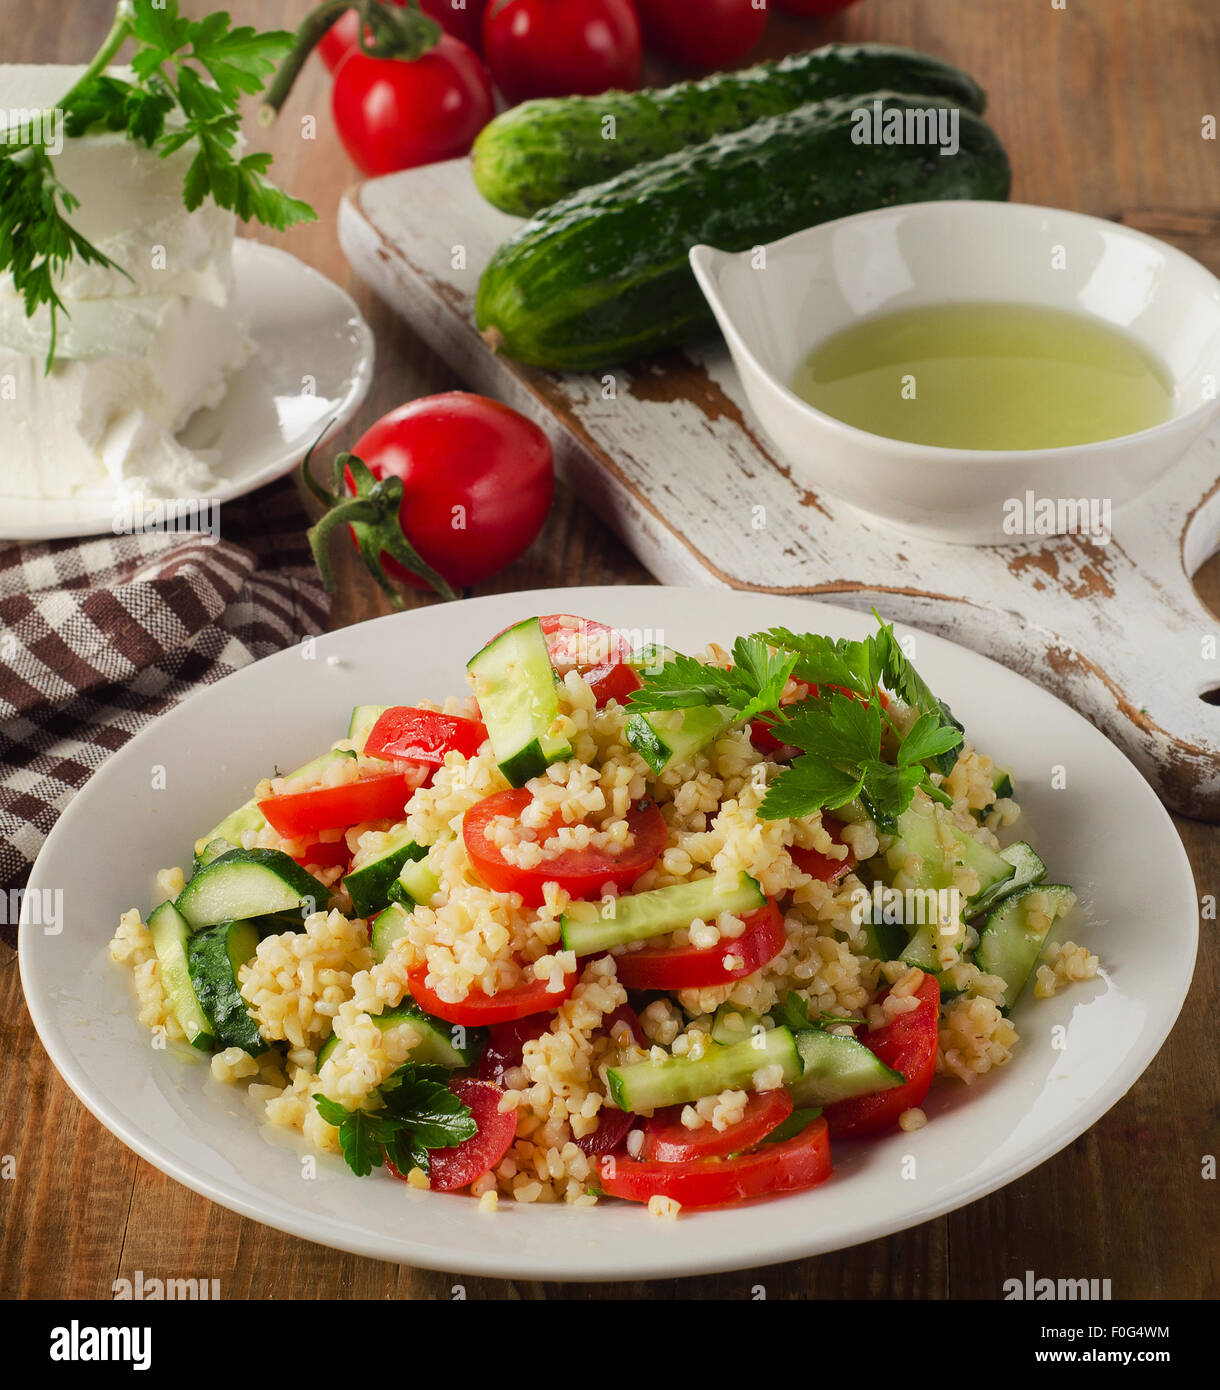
(1101, 106)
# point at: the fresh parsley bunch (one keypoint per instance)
(419, 1112)
(195, 70)
(841, 730)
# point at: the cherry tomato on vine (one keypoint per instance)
(463, 22)
(557, 48)
(701, 33)
(396, 113)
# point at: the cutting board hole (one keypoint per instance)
(1211, 697)
(1206, 582)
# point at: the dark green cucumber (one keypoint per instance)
(540, 151)
(603, 275)
(171, 937)
(369, 886)
(214, 958)
(445, 1044)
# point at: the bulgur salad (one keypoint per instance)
(618, 922)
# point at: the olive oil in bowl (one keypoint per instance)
(986, 376)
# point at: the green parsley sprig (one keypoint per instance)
(193, 71)
(851, 745)
(419, 1112)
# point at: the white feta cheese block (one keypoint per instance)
(131, 205)
(131, 374)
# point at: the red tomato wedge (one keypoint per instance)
(584, 872)
(479, 1009)
(506, 1045)
(423, 736)
(335, 808)
(667, 1139)
(800, 1162)
(821, 866)
(909, 1045)
(613, 682)
(325, 854)
(692, 967)
(581, 644)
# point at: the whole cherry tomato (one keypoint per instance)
(702, 33)
(461, 18)
(463, 480)
(392, 113)
(556, 48)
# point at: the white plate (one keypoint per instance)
(1104, 833)
(313, 363)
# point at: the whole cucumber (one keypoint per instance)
(543, 150)
(603, 275)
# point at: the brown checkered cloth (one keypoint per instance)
(99, 636)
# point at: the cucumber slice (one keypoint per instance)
(646, 1086)
(919, 829)
(416, 884)
(514, 683)
(1009, 945)
(836, 1068)
(588, 931)
(673, 736)
(212, 850)
(214, 957)
(369, 886)
(1028, 868)
(245, 883)
(360, 726)
(882, 940)
(650, 657)
(171, 934)
(445, 1044)
(733, 1024)
(249, 817)
(388, 926)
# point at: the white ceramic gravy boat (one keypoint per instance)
(775, 307)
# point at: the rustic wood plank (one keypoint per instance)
(1081, 102)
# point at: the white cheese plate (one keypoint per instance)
(313, 363)
(1104, 832)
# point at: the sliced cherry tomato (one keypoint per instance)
(613, 682)
(505, 1049)
(821, 866)
(581, 644)
(702, 33)
(478, 1009)
(458, 1167)
(423, 736)
(693, 967)
(800, 1162)
(559, 48)
(613, 1126)
(909, 1045)
(461, 18)
(583, 872)
(667, 1139)
(325, 854)
(335, 808)
(394, 113)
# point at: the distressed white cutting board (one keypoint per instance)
(666, 452)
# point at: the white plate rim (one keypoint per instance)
(360, 379)
(599, 1266)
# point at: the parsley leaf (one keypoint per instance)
(841, 729)
(810, 784)
(903, 679)
(927, 738)
(752, 685)
(189, 76)
(419, 1113)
